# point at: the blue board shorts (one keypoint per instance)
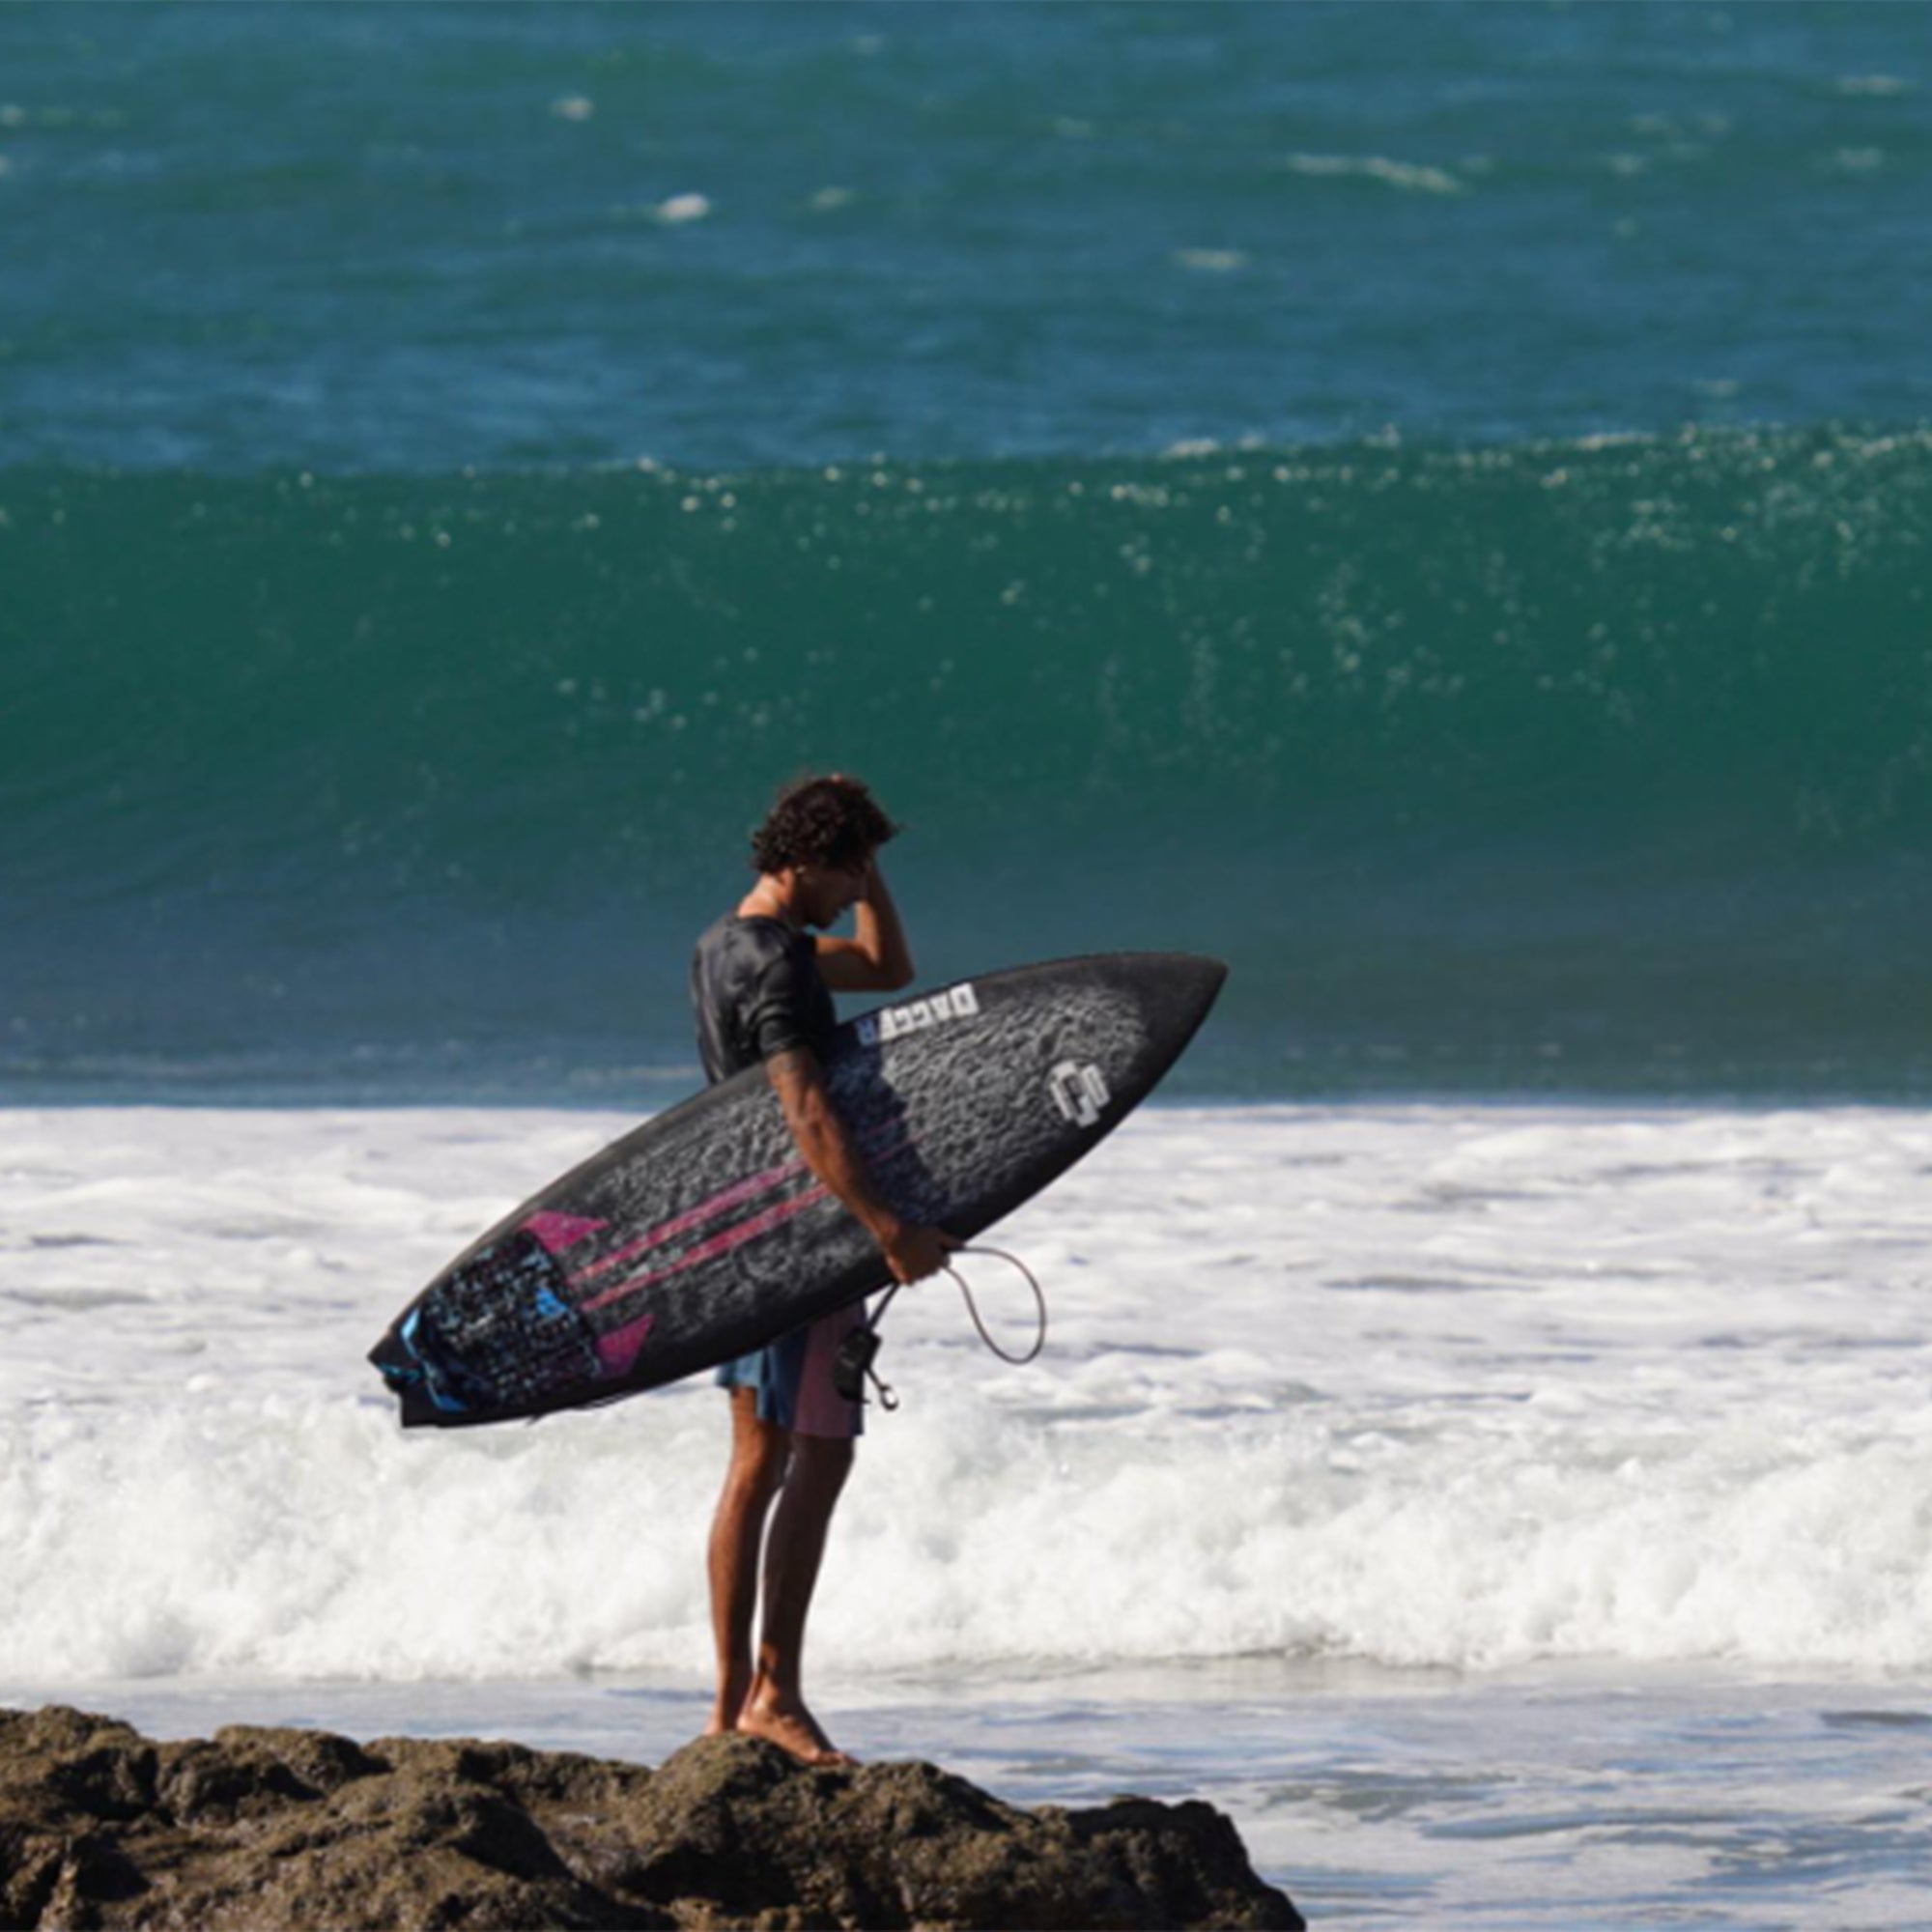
(793, 1379)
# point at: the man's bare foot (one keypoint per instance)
(784, 1722)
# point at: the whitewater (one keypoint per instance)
(1444, 1447)
(1422, 1385)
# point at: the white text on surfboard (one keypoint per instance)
(956, 1003)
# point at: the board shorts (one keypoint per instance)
(793, 1379)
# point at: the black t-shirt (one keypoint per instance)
(756, 990)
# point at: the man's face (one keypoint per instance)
(828, 891)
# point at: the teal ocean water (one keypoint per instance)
(1428, 502)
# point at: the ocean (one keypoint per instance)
(1425, 502)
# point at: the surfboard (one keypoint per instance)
(702, 1234)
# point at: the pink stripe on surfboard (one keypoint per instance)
(691, 1218)
(718, 1245)
(709, 1210)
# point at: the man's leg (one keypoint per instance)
(759, 1452)
(775, 1706)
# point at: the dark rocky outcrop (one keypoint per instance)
(269, 1829)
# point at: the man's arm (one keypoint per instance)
(878, 957)
(912, 1252)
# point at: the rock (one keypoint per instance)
(260, 1829)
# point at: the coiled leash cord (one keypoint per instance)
(973, 1307)
(853, 1367)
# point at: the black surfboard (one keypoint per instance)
(702, 1234)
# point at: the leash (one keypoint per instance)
(853, 1367)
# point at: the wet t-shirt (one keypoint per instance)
(756, 990)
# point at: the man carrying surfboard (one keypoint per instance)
(761, 984)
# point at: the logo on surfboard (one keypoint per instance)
(1079, 1090)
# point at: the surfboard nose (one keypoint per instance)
(1184, 985)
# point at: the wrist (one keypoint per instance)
(884, 1226)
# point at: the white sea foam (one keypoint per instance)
(1211, 261)
(1428, 1386)
(1412, 176)
(682, 207)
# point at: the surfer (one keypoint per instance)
(761, 982)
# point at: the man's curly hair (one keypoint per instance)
(820, 821)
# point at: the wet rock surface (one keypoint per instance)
(264, 1828)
